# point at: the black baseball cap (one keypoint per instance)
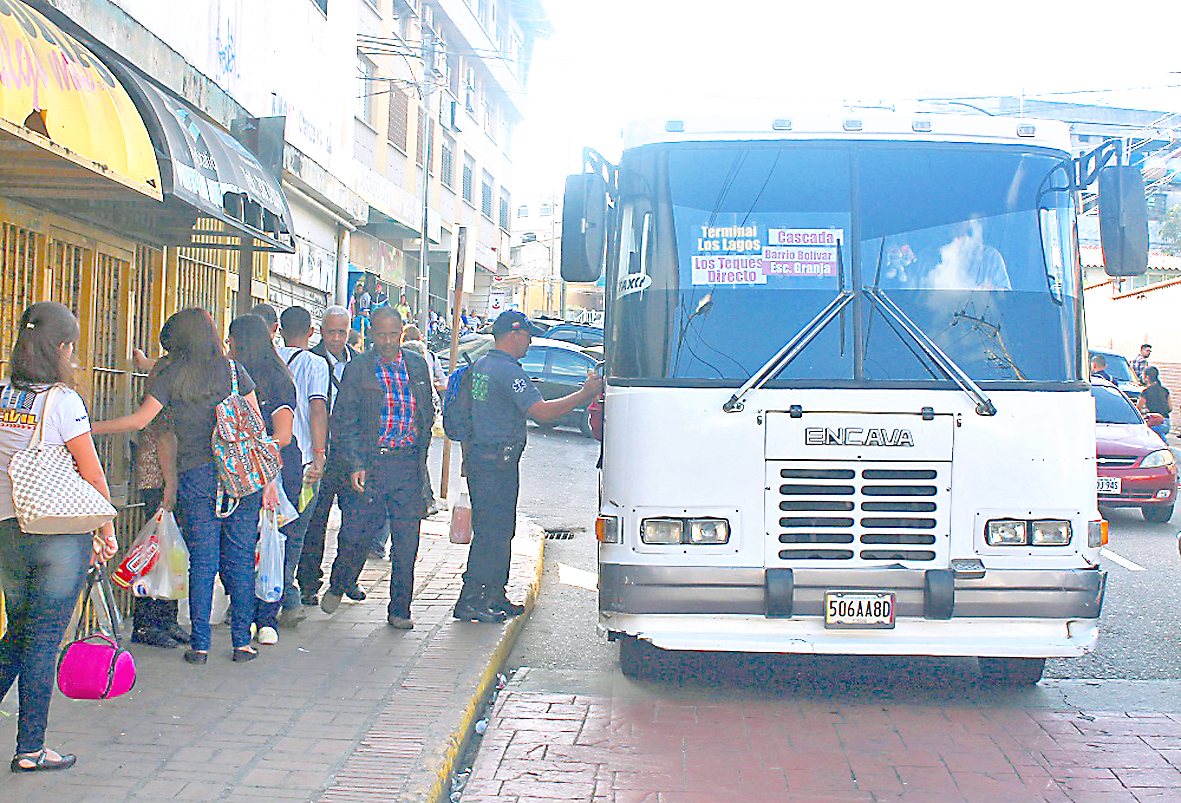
(511, 320)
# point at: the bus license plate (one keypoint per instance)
(1109, 485)
(858, 609)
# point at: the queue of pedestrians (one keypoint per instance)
(229, 437)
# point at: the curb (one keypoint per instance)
(460, 737)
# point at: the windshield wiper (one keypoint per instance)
(984, 405)
(789, 352)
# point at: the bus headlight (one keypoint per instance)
(1006, 532)
(661, 531)
(1161, 457)
(1050, 532)
(709, 531)
(704, 531)
(1040, 532)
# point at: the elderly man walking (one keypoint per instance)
(333, 348)
(382, 420)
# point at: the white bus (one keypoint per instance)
(846, 408)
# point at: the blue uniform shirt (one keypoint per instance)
(501, 397)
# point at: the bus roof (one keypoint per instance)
(859, 124)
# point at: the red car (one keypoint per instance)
(1136, 468)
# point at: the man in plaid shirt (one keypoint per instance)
(1141, 362)
(382, 417)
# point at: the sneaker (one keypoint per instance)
(268, 636)
(330, 601)
(400, 622)
(356, 593)
(503, 604)
(476, 611)
(291, 617)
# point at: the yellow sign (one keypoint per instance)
(52, 86)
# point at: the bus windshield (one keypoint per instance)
(725, 252)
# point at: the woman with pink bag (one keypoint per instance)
(42, 575)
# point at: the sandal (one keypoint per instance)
(196, 656)
(245, 654)
(40, 761)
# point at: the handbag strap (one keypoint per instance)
(234, 379)
(96, 577)
(50, 400)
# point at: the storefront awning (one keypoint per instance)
(68, 129)
(210, 171)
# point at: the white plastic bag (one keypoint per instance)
(169, 577)
(461, 520)
(268, 580)
(217, 613)
(287, 512)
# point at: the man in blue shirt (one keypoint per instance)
(502, 398)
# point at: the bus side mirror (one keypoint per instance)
(1123, 221)
(584, 227)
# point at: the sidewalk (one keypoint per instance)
(554, 737)
(344, 709)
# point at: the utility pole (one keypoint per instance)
(424, 272)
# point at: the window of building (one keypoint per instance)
(504, 207)
(469, 167)
(365, 87)
(546, 209)
(523, 210)
(399, 118)
(486, 195)
(446, 161)
(469, 91)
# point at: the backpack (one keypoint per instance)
(457, 404)
(246, 457)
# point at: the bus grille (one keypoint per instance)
(871, 513)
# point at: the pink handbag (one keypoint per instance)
(95, 667)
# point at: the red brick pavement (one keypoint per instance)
(545, 746)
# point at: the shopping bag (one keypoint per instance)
(461, 520)
(286, 512)
(268, 580)
(217, 611)
(169, 577)
(141, 558)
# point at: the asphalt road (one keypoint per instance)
(1141, 625)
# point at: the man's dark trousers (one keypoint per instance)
(334, 483)
(394, 489)
(493, 480)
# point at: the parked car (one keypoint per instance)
(580, 334)
(472, 347)
(1135, 467)
(558, 369)
(1121, 373)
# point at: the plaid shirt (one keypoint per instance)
(397, 414)
(1138, 366)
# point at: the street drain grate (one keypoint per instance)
(560, 535)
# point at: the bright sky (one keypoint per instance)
(611, 61)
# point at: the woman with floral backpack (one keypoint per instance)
(198, 380)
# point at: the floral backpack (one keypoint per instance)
(246, 456)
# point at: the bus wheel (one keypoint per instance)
(641, 660)
(1012, 671)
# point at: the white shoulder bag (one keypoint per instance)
(48, 493)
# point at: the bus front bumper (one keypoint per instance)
(1045, 613)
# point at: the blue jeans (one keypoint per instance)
(42, 576)
(1161, 429)
(218, 545)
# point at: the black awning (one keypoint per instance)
(204, 167)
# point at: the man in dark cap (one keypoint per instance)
(502, 398)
